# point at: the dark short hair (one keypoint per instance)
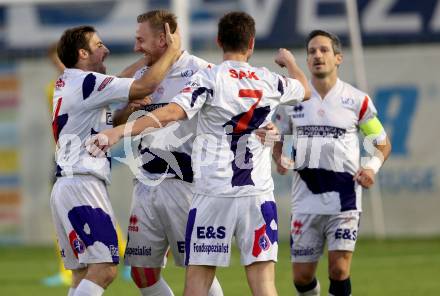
(336, 43)
(71, 42)
(235, 30)
(158, 18)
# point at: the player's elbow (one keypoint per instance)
(307, 94)
(307, 91)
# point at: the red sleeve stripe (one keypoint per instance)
(363, 108)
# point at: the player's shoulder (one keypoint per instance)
(351, 91)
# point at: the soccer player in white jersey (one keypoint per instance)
(327, 177)
(233, 183)
(162, 195)
(81, 210)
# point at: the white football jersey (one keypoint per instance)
(81, 108)
(168, 150)
(326, 148)
(234, 99)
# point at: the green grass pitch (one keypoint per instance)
(392, 267)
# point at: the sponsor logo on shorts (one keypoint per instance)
(211, 248)
(303, 252)
(345, 233)
(138, 251)
(296, 227)
(211, 232)
(133, 224)
(62, 253)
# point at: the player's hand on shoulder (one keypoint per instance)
(173, 39)
(365, 177)
(284, 57)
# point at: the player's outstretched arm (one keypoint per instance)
(151, 78)
(286, 59)
(159, 118)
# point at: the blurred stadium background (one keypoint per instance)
(401, 53)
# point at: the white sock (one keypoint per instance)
(216, 289)
(160, 288)
(71, 291)
(314, 292)
(88, 288)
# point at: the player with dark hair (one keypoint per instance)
(81, 209)
(327, 177)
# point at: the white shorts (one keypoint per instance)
(84, 221)
(213, 221)
(157, 223)
(310, 231)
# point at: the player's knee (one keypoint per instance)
(144, 277)
(109, 274)
(338, 273)
(303, 278)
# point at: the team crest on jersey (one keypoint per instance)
(105, 82)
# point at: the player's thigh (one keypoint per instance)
(173, 202)
(210, 227)
(67, 254)
(307, 237)
(257, 229)
(83, 207)
(342, 232)
(147, 243)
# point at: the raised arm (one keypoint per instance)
(286, 59)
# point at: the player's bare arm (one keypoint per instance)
(151, 79)
(121, 116)
(285, 58)
(157, 119)
(365, 176)
(268, 134)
